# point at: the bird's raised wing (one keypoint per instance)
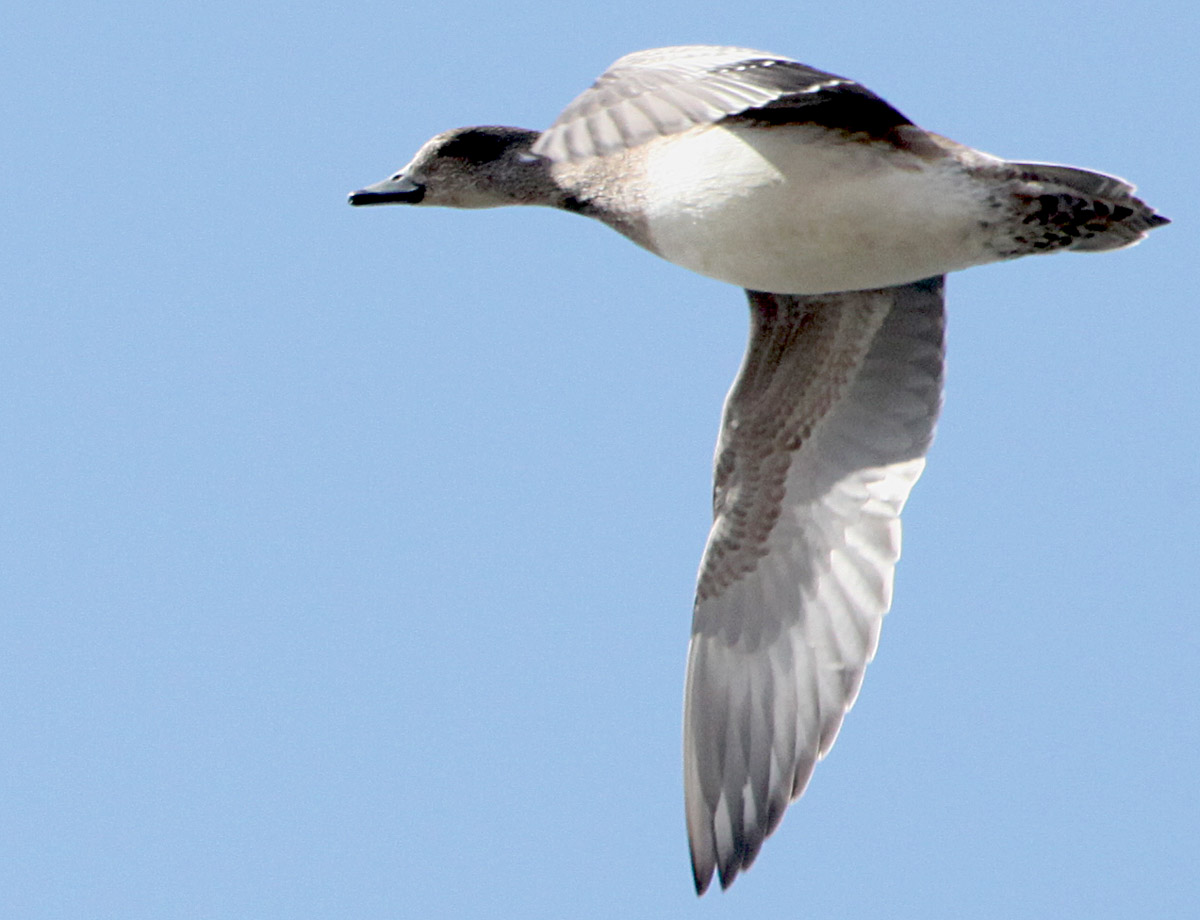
(824, 434)
(666, 91)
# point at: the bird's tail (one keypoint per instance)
(1080, 210)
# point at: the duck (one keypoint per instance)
(840, 219)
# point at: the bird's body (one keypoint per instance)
(778, 210)
(839, 217)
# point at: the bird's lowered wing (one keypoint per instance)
(824, 434)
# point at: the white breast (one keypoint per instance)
(801, 210)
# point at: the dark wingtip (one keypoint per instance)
(728, 874)
(701, 877)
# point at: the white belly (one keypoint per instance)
(796, 210)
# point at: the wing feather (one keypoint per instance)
(824, 434)
(666, 91)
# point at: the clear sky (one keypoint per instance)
(347, 555)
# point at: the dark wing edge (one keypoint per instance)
(824, 433)
(667, 91)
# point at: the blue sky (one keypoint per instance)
(347, 556)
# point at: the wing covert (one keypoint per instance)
(666, 91)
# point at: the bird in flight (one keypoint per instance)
(840, 218)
